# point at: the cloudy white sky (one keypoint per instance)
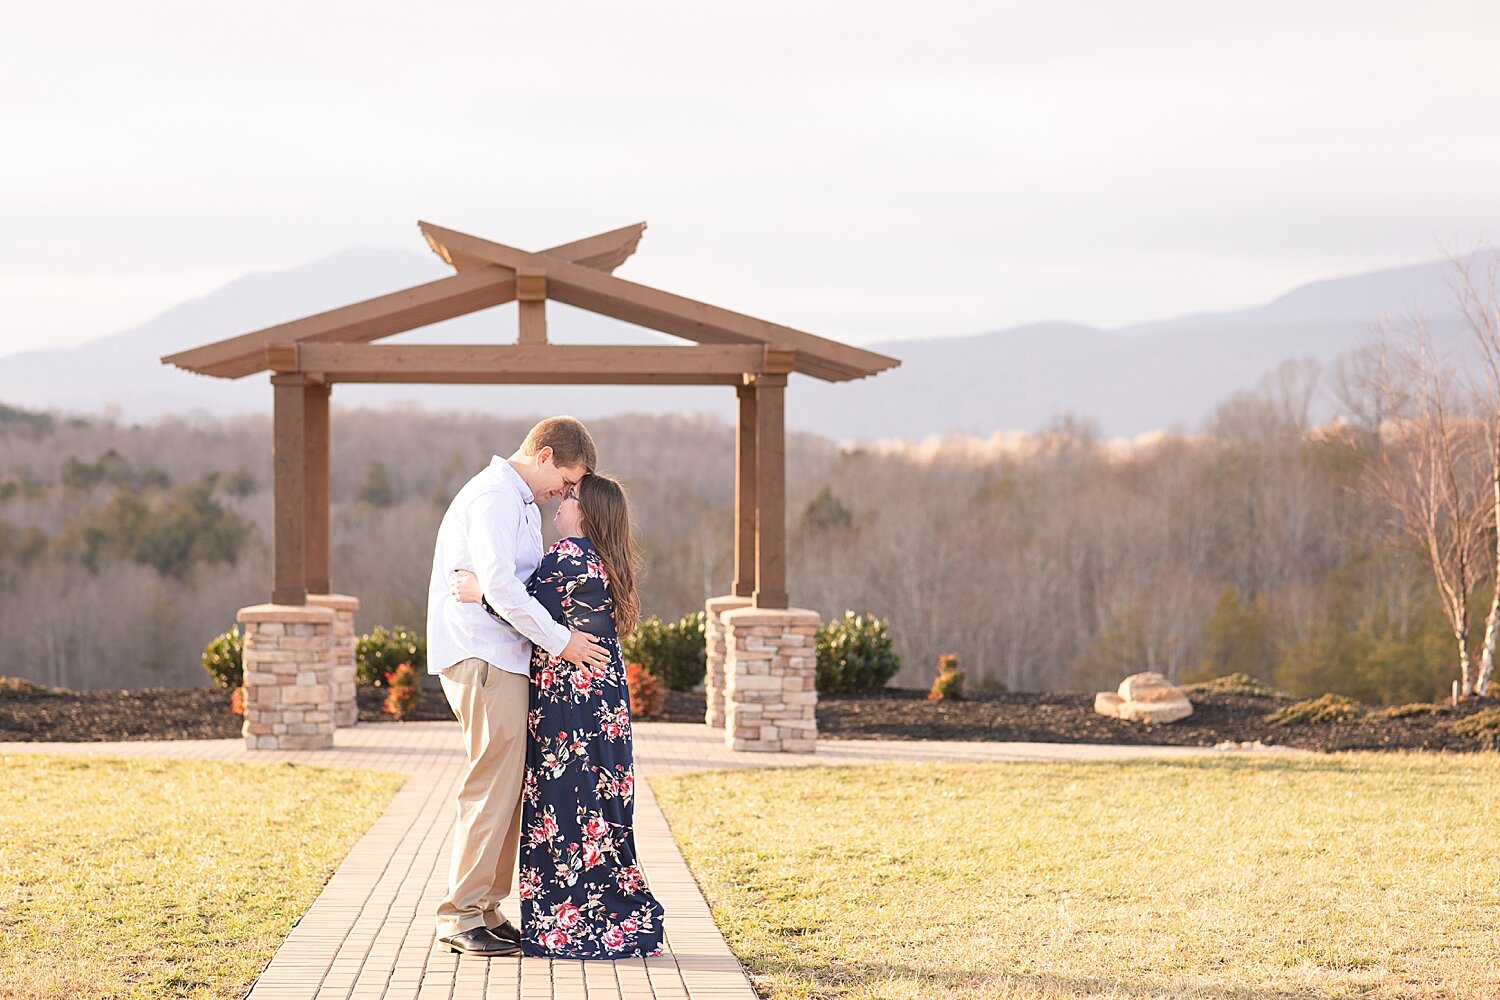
(864, 170)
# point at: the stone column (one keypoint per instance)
(770, 679)
(288, 677)
(345, 707)
(713, 637)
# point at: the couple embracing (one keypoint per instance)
(527, 646)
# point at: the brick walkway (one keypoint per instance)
(369, 934)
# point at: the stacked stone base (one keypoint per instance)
(289, 702)
(343, 674)
(770, 679)
(717, 649)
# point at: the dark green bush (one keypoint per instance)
(380, 651)
(185, 529)
(676, 653)
(224, 659)
(855, 655)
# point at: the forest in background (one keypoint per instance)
(1049, 561)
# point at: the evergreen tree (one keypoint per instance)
(376, 489)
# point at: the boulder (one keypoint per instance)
(1145, 697)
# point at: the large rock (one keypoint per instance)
(1108, 703)
(1146, 697)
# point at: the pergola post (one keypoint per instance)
(770, 487)
(770, 649)
(340, 666)
(289, 465)
(744, 493)
(716, 648)
(315, 476)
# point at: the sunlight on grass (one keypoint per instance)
(1369, 876)
(145, 878)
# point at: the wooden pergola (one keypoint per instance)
(308, 356)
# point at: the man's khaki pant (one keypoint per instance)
(491, 706)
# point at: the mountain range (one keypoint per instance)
(1131, 380)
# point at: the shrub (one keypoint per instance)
(237, 701)
(950, 680)
(379, 652)
(1233, 684)
(1406, 711)
(224, 659)
(676, 653)
(855, 655)
(645, 691)
(1481, 725)
(1328, 708)
(405, 691)
(20, 687)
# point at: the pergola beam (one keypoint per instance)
(663, 311)
(478, 285)
(360, 322)
(521, 364)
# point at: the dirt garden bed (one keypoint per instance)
(203, 713)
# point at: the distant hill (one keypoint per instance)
(1162, 375)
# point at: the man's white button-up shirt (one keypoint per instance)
(494, 530)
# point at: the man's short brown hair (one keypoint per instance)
(569, 440)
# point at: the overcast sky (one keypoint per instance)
(863, 170)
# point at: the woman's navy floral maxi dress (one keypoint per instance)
(582, 893)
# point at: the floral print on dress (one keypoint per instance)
(582, 892)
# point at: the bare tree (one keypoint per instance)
(1479, 298)
(1431, 477)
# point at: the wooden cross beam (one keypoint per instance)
(521, 364)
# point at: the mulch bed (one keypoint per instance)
(1053, 717)
(153, 714)
(203, 713)
(1070, 718)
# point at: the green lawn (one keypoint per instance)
(1351, 875)
(137, 878)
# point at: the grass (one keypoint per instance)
(143, 878)
(1342, 876)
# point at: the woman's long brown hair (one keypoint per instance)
(606, 523)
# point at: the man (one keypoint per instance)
(493, 529)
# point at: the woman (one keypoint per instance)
(582, 893)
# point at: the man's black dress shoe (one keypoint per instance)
(507, 932)
(483, 942)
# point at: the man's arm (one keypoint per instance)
(491, 524)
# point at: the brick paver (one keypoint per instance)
(369, 934)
